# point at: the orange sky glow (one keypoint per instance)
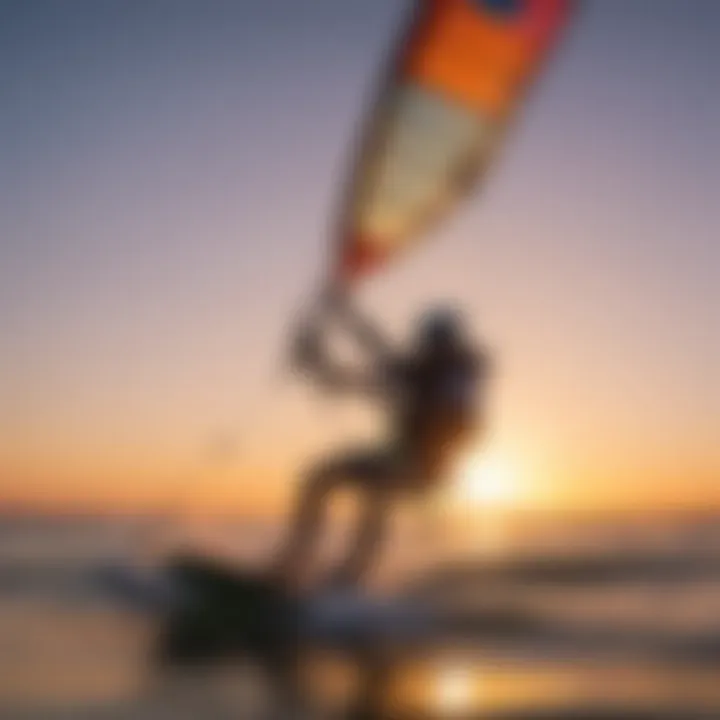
(165, 200)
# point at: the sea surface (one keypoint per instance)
(618, 641)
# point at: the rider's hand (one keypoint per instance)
(306, 350)
(335, 297)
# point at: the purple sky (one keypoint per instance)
(169, 171)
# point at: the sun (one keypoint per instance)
(487, 479)
(455, 690)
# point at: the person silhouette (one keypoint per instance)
(433, 392)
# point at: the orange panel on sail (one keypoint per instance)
(471, 56)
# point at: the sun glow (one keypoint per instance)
(488, 479)
(455, 690)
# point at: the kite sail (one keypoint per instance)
(461, 71)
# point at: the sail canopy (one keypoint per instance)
(458, 75)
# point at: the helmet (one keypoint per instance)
(440, 327)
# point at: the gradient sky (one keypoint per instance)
(169, 171)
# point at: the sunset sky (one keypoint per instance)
(169, 172)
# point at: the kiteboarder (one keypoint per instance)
(433, 391)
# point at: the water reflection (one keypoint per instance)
(554, 637)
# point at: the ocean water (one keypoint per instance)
(603, 618)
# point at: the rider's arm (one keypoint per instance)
(367, 334)
(311, 358)
(344, 379)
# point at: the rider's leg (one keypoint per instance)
(371, 533)
(307, 523)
